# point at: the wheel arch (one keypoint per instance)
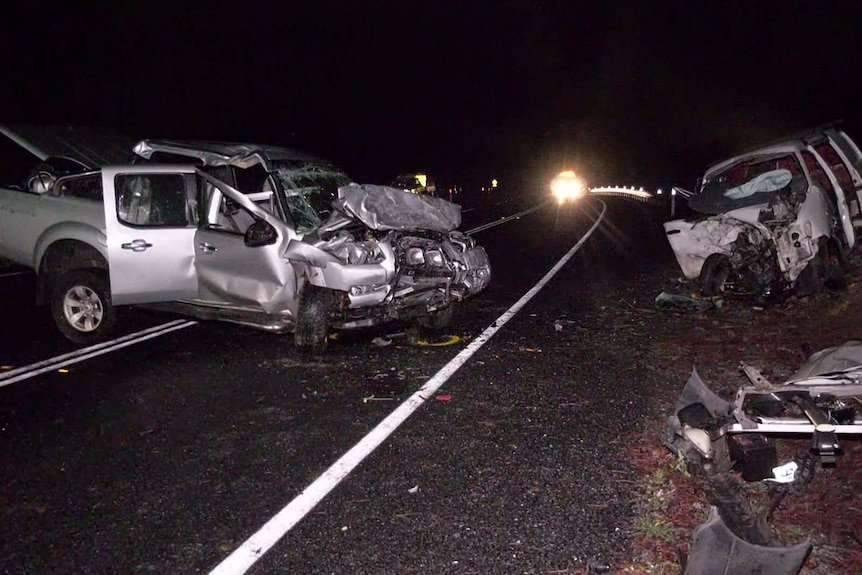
(62, 256)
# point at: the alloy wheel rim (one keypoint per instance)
(83, 308)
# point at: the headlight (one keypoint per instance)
(567, 186)
(435, 258)
(415, 257)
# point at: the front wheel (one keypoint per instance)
(714, 274)
(438, 320)
(312, 319)
(81, 306)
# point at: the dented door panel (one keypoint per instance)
(228, 270)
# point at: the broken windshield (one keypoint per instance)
(309, 189)
(726, 190)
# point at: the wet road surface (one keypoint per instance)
(165, 456)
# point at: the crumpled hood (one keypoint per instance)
(385, 208)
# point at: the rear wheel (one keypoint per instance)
(81, 306)
(825, 270)
(834, 274)
(312, 320)
(714, 274)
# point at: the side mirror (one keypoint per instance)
(260, 233)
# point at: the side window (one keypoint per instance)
(818, 176)
(155, 200)
(255, 183)
(87, 187)
(833, 160)
(222, 213)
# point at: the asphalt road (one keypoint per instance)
(166, 456)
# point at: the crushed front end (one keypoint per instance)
(391, 255)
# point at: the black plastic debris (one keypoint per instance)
(755, 455)
(684, 303)
(717, 551)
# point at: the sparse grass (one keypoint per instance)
(681, 465)
(658, 478)
(653, 526)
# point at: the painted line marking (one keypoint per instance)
(15, 273)
(34, 369)
(247, 554)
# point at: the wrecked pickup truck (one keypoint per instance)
(257, 235)
(775, 220)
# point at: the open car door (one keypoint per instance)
(851, 157)
(150, 224)
(239, 250)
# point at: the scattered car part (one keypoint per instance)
(717, 551)
(666, 300)
(820, 400)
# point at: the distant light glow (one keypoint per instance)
(567, 186)
(622, 190)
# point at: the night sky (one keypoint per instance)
(641, 93)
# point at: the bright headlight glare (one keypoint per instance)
(567, 186)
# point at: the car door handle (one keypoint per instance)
(208, 248)
(137, 245)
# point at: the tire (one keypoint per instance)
(312, 319)
(825, 270)
(714, 274)
(834, 266)
(81, 306)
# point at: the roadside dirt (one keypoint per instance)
(778, 339)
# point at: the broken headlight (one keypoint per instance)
(414, 257)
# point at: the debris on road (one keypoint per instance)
(381, 342)
(677, 302)
(413, 490)
(443, 397)
(441, 341)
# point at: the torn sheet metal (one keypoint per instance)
(831, 360)
(717, 551)
(694, 241)
(385, 208)
(222, 154)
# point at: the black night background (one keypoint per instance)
(626, 92)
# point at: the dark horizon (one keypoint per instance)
(624, 93)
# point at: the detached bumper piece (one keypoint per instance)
(717, 551)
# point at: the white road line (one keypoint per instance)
(34, 369)
(255, 546)
(15, 273)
